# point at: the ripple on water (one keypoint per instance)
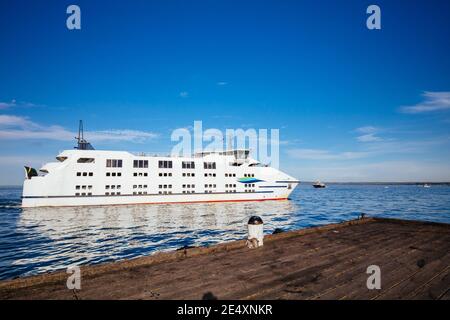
(46, 239)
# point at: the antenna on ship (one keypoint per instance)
(82, 144)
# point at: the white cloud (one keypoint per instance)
(433, 101)
(6, 105)
(368, 134)
(367, 129)
(371, 137)
(318, 154)
(15, 121)
(122, 135)
(20, 128)
(384, 171)
(184, 94)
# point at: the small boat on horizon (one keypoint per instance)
(319, 184)
(426, 185)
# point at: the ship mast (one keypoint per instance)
(81, 143)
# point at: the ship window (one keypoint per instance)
(113, 174)
(135, 174)
(188, 165)
(113, 163)
(84, 174)
(78, 174)
(165, 164)
(91, 174)
(86, 160)
(77, 187)
(108, 174)
(61, 159)
(77, 194)
(140, 163)
(209, 165)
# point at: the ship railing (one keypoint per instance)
(155, 154)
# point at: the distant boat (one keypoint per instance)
(319, 184)
(426, 185)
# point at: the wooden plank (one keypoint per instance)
(324, 262)
(393, 271)
(344, 268)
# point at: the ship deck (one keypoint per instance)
(327, 262)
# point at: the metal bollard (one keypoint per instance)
(255, 232)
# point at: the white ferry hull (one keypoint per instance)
(62, 201)
(98, 178)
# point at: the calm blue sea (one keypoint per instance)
(39, 240)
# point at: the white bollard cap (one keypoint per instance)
(255, 232)
(255, 220)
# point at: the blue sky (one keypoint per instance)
(351, 104)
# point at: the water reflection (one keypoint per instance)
(44, 239)
(98, 234)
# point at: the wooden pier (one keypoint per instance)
(327, 262)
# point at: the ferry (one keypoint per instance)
(85, 176)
